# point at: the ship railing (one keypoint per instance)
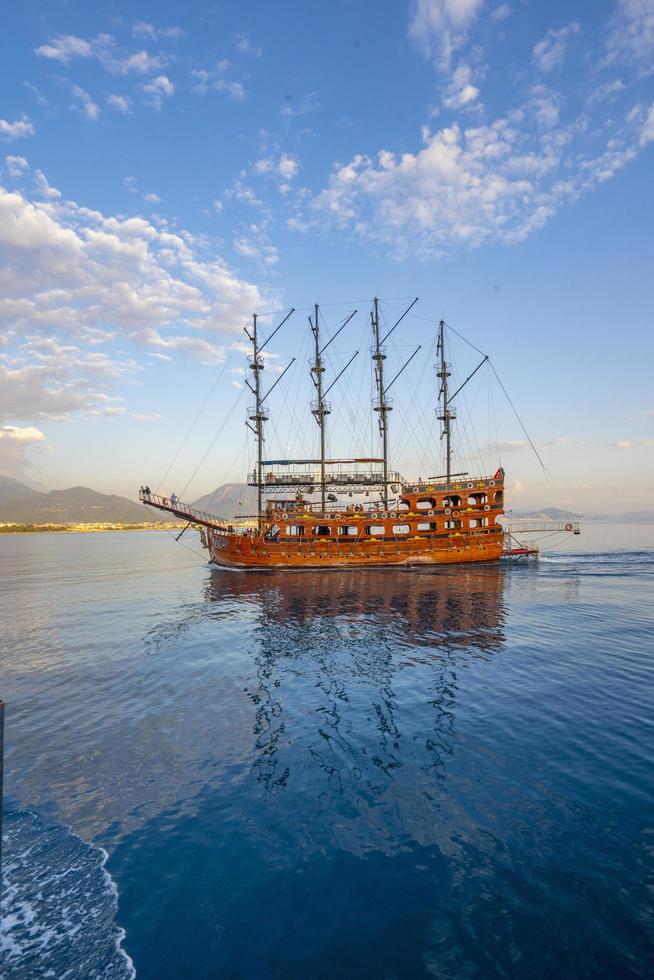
(184, 512)
(332, 479)
(524, 526)
(458, 482)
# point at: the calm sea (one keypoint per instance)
(349, 774)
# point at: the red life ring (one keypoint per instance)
(568, 527)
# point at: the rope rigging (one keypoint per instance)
(417, 432)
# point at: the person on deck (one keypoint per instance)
(173, 498)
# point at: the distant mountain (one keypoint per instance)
(547, 514)
(556, 514)
(11, 489)
(76, 505)
(229, 501)
(631, 517)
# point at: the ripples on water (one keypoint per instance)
(353, 774)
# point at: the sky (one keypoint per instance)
(167, 170)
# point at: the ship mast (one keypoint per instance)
(256, 413)
(446, 413)
(319, 408)
(381, 405)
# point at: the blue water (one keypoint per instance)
(349, 774)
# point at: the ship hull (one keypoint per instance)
(429, 524)
(254, 553)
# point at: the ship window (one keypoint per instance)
(453, 525)
(426, 526)
(479, 522)
(322, 530)
(403, 505)
(499, 496)
(425, 503)
(294, 530)
(477, 499)
(452, 501)
(375, 529)
(401, 528)
(348, 530)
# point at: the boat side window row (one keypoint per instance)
(477, 499)
(379, 530)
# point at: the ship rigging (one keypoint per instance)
(305, 517)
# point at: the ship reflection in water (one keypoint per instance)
(356, 676)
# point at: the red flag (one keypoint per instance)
(499, 474)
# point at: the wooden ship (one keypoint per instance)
(305, 516)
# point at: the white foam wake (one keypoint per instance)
(58, 906)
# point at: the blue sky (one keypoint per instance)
(168, 171)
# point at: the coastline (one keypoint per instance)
(95, 528)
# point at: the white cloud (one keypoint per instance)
(246, 248)
(254, 244)
(84, 104)
(605, 92)
(235, 90)
(158, 90)
(631, 36)
(241, 192)
(48, 379)
(141, 63)
(25, 435)
(147, 417)
(205, 80)
(131, 185)
(16, 130)
(287, 167)
(64, 47)
(74, 272)
(633, 443)
(15, 443)
(647, 134)
(549, 53)
(120, 103)
(501, 12)
(460, 91)
(152, 198)
(151, 33)
(43, 187)
(439, 27)
(264, 166)
(244, 45)
(466, 186)
(16, 166)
